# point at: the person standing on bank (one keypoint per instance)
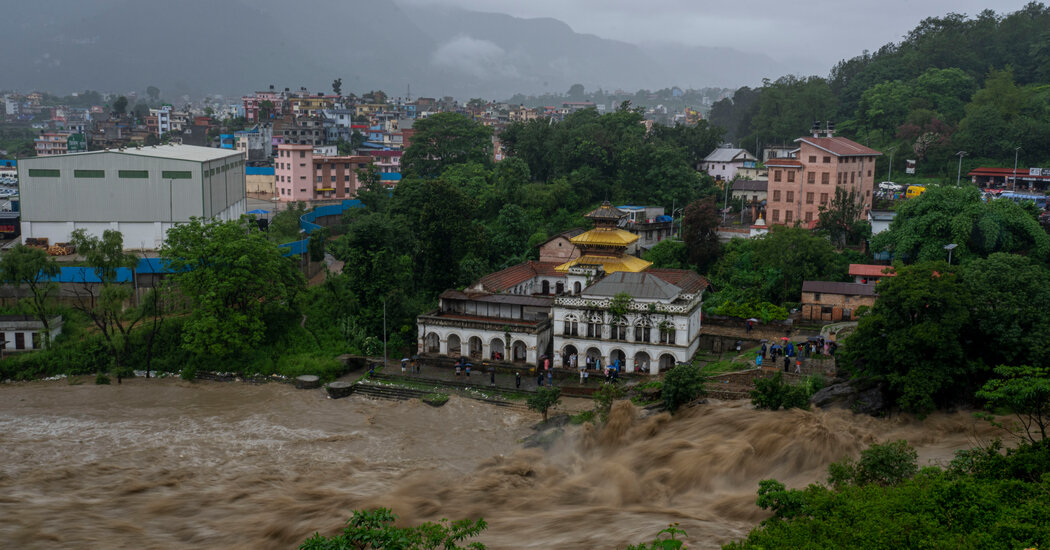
(517, 380)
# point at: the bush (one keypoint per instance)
(582, 418)
(682, 384)
(604, 397)
(773, 393)
(101, 379)
(189, 372)
(887, 464)
(375, 529)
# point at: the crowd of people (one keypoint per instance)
(794, 353)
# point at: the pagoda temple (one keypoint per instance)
(606, 244)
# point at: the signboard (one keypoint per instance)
(1045, 172)
(76, 143)
(909, 167)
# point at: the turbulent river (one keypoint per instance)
(172, 464)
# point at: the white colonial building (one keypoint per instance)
(660, 328)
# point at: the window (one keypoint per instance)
(791, 176)
(809, 217)
(776, 175)
(43, 173)
(869, 172)
(572, 326)
(827, 160)
(618, 332)
(333, 178)
(176, 174)
(139, 174)
(346, 166)
(667, 335)
(89, 173)
(823, 198)
(362, 166)
(787, 216)
(302, 155)
(825, 178)
(852, 178)
(346, 177)
(790, 196)
(594, 330)
(319, 179)
(809, 198)
(816, 296)
(813, 158)
(811, 177)
(776, 195)
(642, 333)
(776, 215)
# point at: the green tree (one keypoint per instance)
(446, 139)
(141, 111)
(120, 106)
(700, 223)
(235, 278)
(1010, 323)
(105, 299)
(544, 398)
(1023, 391)
(604, 398)
(153, 92)
(337, 86)
(375, 530)
(33, 268)
(914, 338)
(317, 244)
(683, 384)
(668, 253)
(842, 218)
(949, 215)
(266, 109)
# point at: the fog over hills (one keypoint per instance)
(235, 46)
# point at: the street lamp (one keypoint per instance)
(889, 169)
(949, 248)
(958, 177)
(673, 212)
(1016, 150)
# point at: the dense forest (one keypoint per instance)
(954, 83)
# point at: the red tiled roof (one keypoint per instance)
(839, 146)
(686, 279)
(792, 163)
(867, 270)
(517, 274)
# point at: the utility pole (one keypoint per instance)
(384, 332)
(958, 176)
(889, 169)
(1016, 150)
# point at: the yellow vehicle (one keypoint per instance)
(914, 191)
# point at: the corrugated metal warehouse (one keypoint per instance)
(139, 191)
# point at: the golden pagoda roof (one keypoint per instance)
(611, 264)
(605, 236)
(605, 212)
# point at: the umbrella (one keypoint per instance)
(258, 211)
(753, 320)
(764, 341)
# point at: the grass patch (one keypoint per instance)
(435, 399)
(581, 418)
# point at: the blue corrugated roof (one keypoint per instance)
(259, 170)
(392, 176)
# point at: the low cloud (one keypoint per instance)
(481, 59)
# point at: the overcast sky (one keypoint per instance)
(808, 35)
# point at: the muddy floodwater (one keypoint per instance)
(172, 464)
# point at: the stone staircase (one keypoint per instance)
(385, 390)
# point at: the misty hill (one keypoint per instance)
(235, 46)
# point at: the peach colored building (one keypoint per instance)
(300, 175)
(799, 186)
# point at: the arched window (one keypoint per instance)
(546, 287)
(643, 331)
(576, 287)
(572, 326)
(559, 288)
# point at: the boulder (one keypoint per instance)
(862, 396)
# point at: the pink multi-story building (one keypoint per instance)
(799, 186)
(300, 175)
(252, 103)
